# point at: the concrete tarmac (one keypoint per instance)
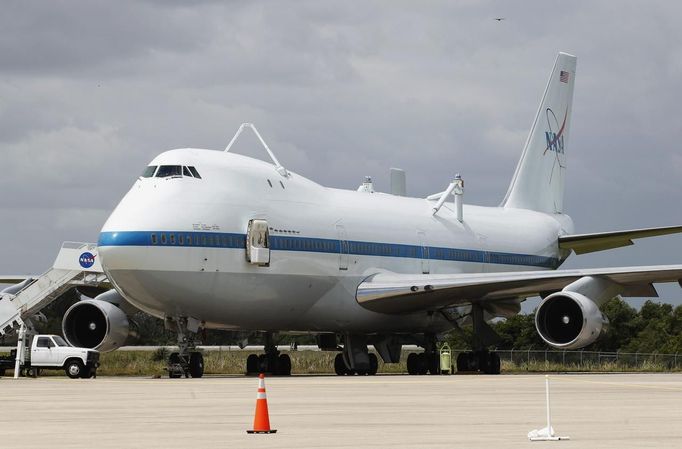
(396, 411)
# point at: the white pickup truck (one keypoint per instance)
(52, 352)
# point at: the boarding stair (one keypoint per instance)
(77, 264)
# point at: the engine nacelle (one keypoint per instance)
(569, 320)
(95, 324)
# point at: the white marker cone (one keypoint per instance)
(546, 433)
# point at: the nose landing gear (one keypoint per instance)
(188, 361)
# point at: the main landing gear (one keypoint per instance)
(188, 361)
(342, 370)
(271, 362)
(354, 358)
(423, 363)
(480, 359)
(427, 362)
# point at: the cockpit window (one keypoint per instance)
(149, 171)
(194, 172)
(186, 172)
(169, 170)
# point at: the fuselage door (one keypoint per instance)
(258, 243)
(343, 247)
(426, 266)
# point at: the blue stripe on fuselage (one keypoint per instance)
(318, 245)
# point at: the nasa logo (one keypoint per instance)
(86, 260)
(555, 140)
(554, 143)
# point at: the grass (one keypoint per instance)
(144, 363)
(322, 362)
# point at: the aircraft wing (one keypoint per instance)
(600, 241)
(395, 293)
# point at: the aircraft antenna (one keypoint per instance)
(280, 169)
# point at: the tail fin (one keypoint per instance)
(538, 182)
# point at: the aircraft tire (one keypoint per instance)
(252, 364)
(412, 368)
(263, 365)
(422, 364)
(483, 358)
(196, 364)
(340, 366)
(284, 365)
(493, 363)
(462, 362)
(373, 364)
(433, 363)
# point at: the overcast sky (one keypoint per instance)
(91, 91)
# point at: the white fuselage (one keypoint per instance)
(175, 246)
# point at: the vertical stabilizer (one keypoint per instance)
(538, 182)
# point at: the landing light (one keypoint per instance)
(566, 319)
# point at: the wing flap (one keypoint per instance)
(404, 293)
(13, 279)
(601, 241)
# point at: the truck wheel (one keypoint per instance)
(73, 368)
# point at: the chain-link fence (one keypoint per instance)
(542, 360)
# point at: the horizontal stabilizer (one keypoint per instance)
(601, 241)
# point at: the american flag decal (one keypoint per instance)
(563, 77)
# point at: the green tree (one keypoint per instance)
(622, 326)
(518, 332)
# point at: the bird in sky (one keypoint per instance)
(499, 19)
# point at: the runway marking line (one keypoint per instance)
(615, 384)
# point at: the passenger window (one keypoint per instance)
(172, 239)
(194, 172)
(189, 240)
(181, 239)
(154, 241)
(163, 239)
(166, 171)
(149, 171)
(186, 172)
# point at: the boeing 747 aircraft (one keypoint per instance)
(215, 240)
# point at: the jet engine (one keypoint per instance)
(571, 319)
(96, 324)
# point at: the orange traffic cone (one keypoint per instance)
(261, 422)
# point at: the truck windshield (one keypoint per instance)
(60, 341)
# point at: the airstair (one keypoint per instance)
(77, 264)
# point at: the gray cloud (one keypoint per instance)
(91, 91)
